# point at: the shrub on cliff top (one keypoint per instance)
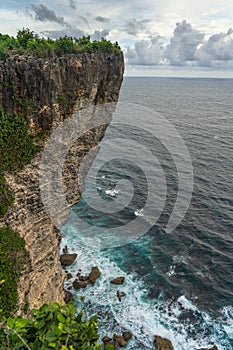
(26, 42)
(52, 326)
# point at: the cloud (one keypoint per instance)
(43, 14)
(217, 49)
(55, 34)
(99, 34)
(187, 47)
(73, 4)
(134, 27)
(102, 19)
(183, 45)
(146, 52)
(85, 21)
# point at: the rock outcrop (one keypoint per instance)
(49, 91)
(162, 343)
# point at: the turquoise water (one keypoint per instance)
(180, 284)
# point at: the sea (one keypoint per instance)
(178, 281)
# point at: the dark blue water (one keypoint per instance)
(179, 284)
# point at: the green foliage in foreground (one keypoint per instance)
(53, 326)
(12, 261)
(26, 42)
(16, 150)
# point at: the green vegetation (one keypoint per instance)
(16, 143)
(13, 257)
(6, 199)
(16, 150)
(26, 42)
(53, 326)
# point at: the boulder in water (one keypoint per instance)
(94, 274)
(120, 340)
(127, 335)
(118, 280)
(162, 343)
(80, 284)
(68, 296)
(68, 259)
(213, 348)
(120, 295)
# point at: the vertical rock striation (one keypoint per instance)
(48, 91)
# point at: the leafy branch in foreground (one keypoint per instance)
(52, 326)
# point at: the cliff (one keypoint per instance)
(47, 91)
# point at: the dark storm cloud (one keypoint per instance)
(43, 14)
(102, 19)
(99, 34)
(85, 21)
(73, 4)
(134, 27)
(183, 44)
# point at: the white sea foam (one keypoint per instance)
(143, 318)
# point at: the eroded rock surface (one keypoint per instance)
(51, 90)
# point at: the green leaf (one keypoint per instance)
(11, 322)
(109, 347)
(52, 345)
(61, 318)
(21, 323)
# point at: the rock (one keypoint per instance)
(213, 348)
(85, 80)
(162, 343)
(106, 339)
(69, 276)
(127, 335)
(65, 249)
(68, 297)
(120, 340)
(120, 295)
(118, 280)
(68, 259)
(94, 274)
(83, 278)
(80, 284)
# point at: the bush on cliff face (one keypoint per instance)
(53, 326)
(16, 150)
(16, 143)
(26, 42)
(13, 257)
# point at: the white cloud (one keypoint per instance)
(217, 50)
(183, 44)
(187, 47)
(146, 52)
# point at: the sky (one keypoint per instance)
(159, 38)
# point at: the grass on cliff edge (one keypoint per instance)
(13, 257)
(26, 42)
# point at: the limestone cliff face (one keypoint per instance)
(48, 91)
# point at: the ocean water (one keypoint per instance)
(177, 284)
